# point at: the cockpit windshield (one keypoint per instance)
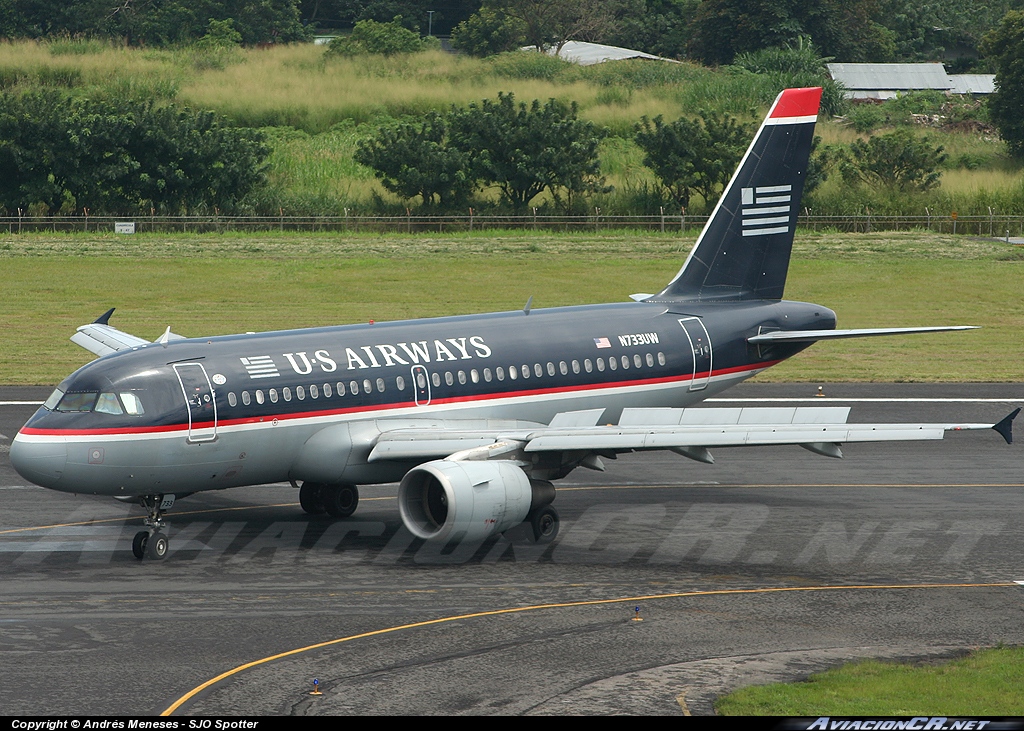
(125, 402)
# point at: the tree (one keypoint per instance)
(845, 29)
(62, 153)
(693, 155)
(661, 27)
(525, 150)
(1004, 47)
(899, 160)
(419, 159)
(488, 32)
(550, 24)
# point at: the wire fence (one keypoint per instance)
(992, 225)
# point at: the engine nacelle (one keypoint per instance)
(467, 501)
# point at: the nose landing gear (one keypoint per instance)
(152, 543)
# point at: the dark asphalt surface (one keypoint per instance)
(87, 629)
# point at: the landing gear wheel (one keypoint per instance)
(156, 546)
(545, 524)
(311, 498)
(340, 500)
(139, 544)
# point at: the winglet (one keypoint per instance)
(1005, 427)
(104, 319)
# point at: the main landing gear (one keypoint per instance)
(152, 543)
(338, 501)
(544, 522)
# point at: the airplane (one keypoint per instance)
(474, 415)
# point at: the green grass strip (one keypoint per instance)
(985, 683)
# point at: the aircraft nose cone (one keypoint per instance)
(41, 463)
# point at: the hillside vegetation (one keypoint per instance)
(314, 111)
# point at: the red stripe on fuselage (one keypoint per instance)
(389, 406)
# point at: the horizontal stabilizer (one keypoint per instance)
(103, 339)
(811, 336)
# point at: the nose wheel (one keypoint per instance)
(152, 543)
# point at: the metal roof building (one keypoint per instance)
(888, 80)
(588, 54)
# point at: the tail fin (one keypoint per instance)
(743, 251)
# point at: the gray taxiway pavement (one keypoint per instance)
(905, 550)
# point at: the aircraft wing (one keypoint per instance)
(687, 431)
(810, 336)
(103, 339)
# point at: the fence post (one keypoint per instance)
(682, 220)
(19, 220)
(663, 219)
(597, 218)
(535, 218)
(471, 220)
(408, 220)
(928, 217)
(86, 212)
(990, 221)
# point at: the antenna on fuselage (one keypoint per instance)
(166, 337)
(529, 303)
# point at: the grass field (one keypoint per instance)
(216, 284)
(986, 683)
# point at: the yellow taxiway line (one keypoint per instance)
(558, 605)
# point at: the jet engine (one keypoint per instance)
(468, 501)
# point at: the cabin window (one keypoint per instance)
(327, 390)
(259, 396)
(246, 399)
(462, 378)
(563, 368)
(500, 373)
(435, 378)
(78, 401)
(587, 366)
(612, 363)
(421, 380)
(107, 404)
(380, 385)
(538, 370)
(287, 393)
(367, 386)
(600, 364)
(232, 399)
(551, 368)
(661, 358)
(300, 393)
(650, 360)
(449, 378)
(525, 371)
(353, 386)
(625, 362)
(487, 374)
(314, 392)
(273, 395)
(341, 388)
(474, 376)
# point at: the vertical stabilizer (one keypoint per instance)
(743, 251)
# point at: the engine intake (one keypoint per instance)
(445, 501)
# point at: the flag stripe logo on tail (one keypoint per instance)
(260, 366)
(766, 209)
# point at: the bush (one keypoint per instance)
(488, 32)
(369, 36)
(899, 160)
(66, 154)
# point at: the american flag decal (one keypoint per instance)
(766, 209)
(260, 366)
(602, 342)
